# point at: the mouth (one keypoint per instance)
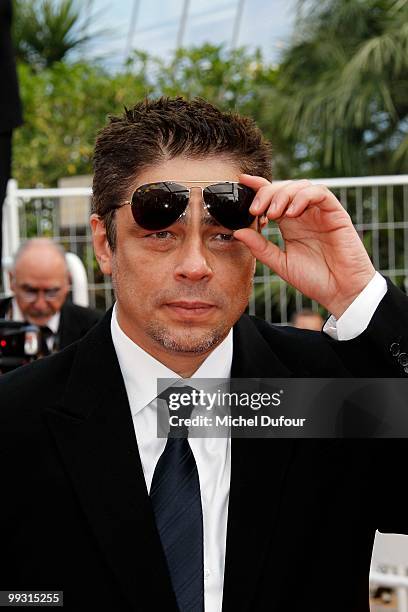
(40, 317)
(189, 309)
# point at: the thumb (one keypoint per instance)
(266, 252)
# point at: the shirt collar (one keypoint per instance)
(17, 315)
(140, 370)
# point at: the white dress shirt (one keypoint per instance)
(358, 315)
(140, 372)
(213, 455)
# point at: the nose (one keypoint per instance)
(193, 258)
(40, 302)
(193, 261)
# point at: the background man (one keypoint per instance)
(127, 521)
(40, 282)
(307, 319)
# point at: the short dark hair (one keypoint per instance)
(155, 130)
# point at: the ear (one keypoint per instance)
(101, 246)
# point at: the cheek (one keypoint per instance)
(137, 274)
(24, 306)
(55, 306)
(234, 274)
(237, 268)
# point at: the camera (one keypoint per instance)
(20, 343)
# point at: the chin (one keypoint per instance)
(40, 320)
(188, 340)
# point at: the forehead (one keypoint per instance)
(190, 169)
(40, 266)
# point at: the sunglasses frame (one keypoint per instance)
(195, 185)
(33, 292)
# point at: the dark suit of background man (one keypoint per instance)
(10, 106)
(40, 283)
(93, 502)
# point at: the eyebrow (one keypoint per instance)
(33, 289)
(206, 220)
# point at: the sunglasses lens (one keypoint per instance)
(157, 205)
(229, 204)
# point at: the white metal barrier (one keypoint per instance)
(79, 281)
(378, 206)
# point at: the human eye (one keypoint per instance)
(29, 290)
(162, 235)
(222, 237)
(51, 293)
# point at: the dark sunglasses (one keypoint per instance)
(156, 206)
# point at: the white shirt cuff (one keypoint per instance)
(358, 315)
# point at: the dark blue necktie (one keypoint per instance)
(45, 334)
(176, 500)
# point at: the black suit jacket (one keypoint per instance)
(75, 321)
(75, 514)
(10, 105)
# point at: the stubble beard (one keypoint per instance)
(187, 341)
(193, 340)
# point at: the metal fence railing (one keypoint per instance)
(377, 205)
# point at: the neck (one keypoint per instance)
(184, 364)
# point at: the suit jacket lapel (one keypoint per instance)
(258, 468)
(94, 432)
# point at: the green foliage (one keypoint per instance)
(337, 104)
(342, 92)
(64, 107)
(46, 31)
(66, 104)
(229, 78)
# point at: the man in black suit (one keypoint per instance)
(10, 105)
(94, 503)
(40, 283)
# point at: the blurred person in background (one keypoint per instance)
(307, 319)
(10, 105)
(40, 282)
